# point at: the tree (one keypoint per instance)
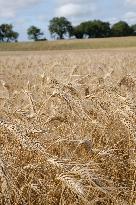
(7, 34)
(60, 26)
(13, 36)
(97, 29)
(133, 27)
(78, 32)
(92, 29)
(34, 33)
(121, 28)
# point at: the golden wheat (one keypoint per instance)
(68, 128)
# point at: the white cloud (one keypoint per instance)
(76, 8)
(130, 17)
(62, 2)
(131, 2)
(8, 9)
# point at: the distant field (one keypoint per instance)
(123, 42)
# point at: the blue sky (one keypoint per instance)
(24, 13)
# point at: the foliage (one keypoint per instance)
(121, 28)
(7, 34)
(34, 33)
(60, 26)
(133, 27)
(78, 32)
(92, 29)
(96, 29)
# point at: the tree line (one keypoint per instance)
(61, 27)
(7, 34)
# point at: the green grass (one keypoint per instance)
(123, 42)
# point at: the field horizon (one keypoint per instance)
(72, 44)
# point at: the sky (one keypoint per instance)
(24, 13)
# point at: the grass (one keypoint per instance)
(123, 42)
(67, 128)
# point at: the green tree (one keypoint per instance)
(7, 34)
(13, 36)
(78, 31)
(93, 29)
(97, 29)
(34, 33)
(121, 28)
(60, 26)
(133, 27)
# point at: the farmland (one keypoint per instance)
(100, 43)
(68, 124)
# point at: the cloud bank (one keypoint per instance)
(8, 9)
(131, 2)
(76, 8)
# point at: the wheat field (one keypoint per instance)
(72, 44)
(68, 127)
